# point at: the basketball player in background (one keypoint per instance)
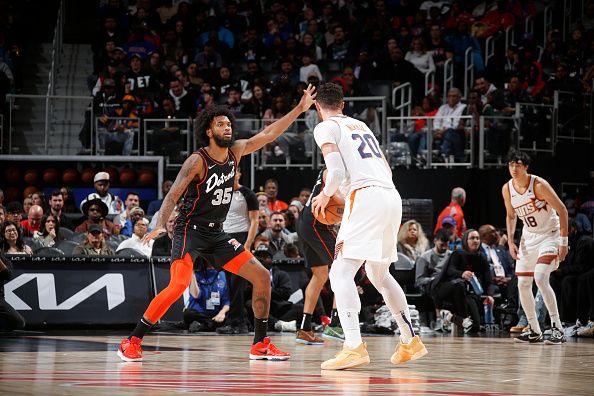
(318, 241)
(206, 181)
(369, 228)
(543, 244)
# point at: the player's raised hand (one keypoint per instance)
(308, 98)
(319, 203)
(152, 235)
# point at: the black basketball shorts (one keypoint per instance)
(317, 241)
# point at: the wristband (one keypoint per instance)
(564, 241)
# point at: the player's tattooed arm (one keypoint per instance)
(192, 167)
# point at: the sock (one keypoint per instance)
(141, 328)
(350, 326)
(306, 322)
(527, 301)
(384, 282)
(334, 318)
(260, 328)
(541, 275)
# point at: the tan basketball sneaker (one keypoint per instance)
(308, 338)
(411, 351)
(518, 329)
(348, 358)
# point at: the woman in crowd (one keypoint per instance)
(12, 239)
(464, 278)
(420, 57)
(69, 205)
(259, 104)
(49, 231)
(412, 241)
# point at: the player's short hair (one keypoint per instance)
(206, 118)
(329, 96)
(518, 156)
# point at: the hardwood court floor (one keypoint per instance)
(48, 364)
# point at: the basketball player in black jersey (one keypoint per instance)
(206, 182)
(318, 241)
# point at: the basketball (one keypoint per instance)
(12, 175)
(127, 176)
(113, 172)
(70, 176)
(12, 194)
(29, 190)
(31, 176)
(146, 177)
(87, 175)
(334, 211)
(50, 176)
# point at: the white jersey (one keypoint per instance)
(536, 214)
(359, 149)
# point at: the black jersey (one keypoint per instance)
(306, 213)
(207, 201)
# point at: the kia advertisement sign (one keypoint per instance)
(79, 290)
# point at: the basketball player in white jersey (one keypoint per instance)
(543, 244)
(369, 228)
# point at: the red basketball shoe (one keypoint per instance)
(130, 350)
(266, 350)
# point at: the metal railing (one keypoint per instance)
(547, 23)
(448, 78)
(537, 127)
(429, 82)
(489, 49)
(112, 126)
(367, 117)
(575, 116)
(468, 70)
(175, 133)
(567, 11)
(399, 152)
(404, 105)
(529, 25)
(57, 46)
(48, 120)
(510, 38)
(496, 135)
(1, 133)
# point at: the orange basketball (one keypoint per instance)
(87, 175)
(50, 176)
(127, 176)
(70, 176)
(146, 177)
(334, 211)
(12, 194)
(31, 176)
(12, 174)
(29, 190)
(113, 172)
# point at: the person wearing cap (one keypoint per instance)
(140, 228)
(454, 209)
(122, 127)
(101, 183)
(95, 210)
(94, 243)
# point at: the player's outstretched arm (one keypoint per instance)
(192, 166)
(543, 190)
(510, 222)
(274, 130)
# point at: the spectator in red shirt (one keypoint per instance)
(33, 222)
(271, 190)
(454, 209)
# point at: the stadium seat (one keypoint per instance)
(77, 237)
(48, 252)
(67, 246)
(33, 243)
(129, 252)
(65, 233)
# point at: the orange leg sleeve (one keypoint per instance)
(182, 271)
